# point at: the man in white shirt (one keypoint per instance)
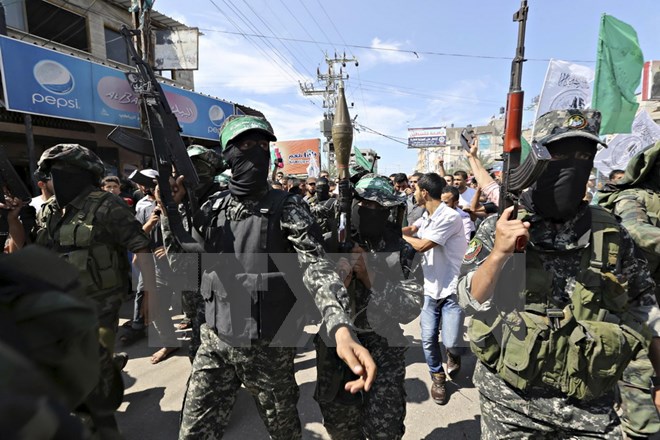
(466, 193)
(441, 240)
(450, 197)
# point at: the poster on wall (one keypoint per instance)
(297, 154)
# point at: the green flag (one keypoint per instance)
(618, 74)
(360, 159)
(524, 149)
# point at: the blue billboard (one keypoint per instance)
(46, 82)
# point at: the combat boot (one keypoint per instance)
(438, 389)
(453, 364)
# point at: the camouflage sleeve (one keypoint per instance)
(635, 219)
(394, 296)
(185, 266)
(123, 226)
(175, 256)
(643, 305)
(319, 275)
(478, 250)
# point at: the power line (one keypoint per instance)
(272, 32)
(387, 136)
(416, 53)
(248, 37)
(301, 25)
(314, 20)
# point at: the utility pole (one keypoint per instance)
(332, 79)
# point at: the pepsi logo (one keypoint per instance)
(53, 77)
(216, 115)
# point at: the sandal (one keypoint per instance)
(130, 336)
(185, 324)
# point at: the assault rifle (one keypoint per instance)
(515, 176)
(165, 142)
(11, 184)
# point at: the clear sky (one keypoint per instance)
(405, 76)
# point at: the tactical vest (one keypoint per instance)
(247, 296)
(102, 267)
(580, 349)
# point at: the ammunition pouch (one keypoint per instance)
(581, 349)
(583, 359)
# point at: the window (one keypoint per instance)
(115, 47)
(56, 24)
(14, 13)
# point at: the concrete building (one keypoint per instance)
(490, 145)
(78, 37)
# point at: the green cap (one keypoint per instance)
(207, 156)
(74, 155)
(561, 124)
(378, 189)
(236, 125)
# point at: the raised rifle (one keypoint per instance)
(516, 176)
(11, 184)
(164, 144)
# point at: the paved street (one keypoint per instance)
(154, 394)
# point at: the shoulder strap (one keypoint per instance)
(95, 200)
(270, 206)
(605, 238)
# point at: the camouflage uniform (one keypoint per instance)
(114, 225)
(219, 368)
(94, 234)
(636, 199)
(542, 411)
(394, 298)
(46, 374)
(208, 165)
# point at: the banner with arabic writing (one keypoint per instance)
(623, 147)
(297, 154)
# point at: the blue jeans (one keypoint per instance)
(445, 313)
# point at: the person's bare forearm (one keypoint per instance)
(486, 276)
(480, 173)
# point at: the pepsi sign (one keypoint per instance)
(46, 82)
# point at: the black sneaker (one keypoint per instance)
(453, 364)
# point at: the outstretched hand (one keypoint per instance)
(358, 360)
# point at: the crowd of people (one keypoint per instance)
(556, 329)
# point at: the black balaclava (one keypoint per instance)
(249, 170)
(370, 223)
(322, 189)
(69, 182)
(557, 193)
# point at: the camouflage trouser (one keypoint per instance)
(194, 308)
(383, 410)
(218, 372)
(508, 413)
(99, 408)
(639, 416)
